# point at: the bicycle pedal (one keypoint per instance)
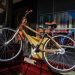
(28, 60)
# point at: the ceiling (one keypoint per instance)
(14, 1)
(3, 3)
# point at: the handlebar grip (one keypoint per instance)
(30, 11)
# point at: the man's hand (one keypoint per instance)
(24, 21)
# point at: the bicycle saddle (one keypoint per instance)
(52, 24)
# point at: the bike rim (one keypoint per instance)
(8, 59)
(64, 69)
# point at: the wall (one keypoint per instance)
(45, 6)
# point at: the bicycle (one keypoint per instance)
(56, 51)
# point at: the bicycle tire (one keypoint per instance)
(13, 49)
(61, 62)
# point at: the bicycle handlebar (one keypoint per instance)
(27, 12)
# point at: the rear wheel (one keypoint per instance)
(65, 59)
(11, 50)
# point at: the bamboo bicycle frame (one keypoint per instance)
(33, 40)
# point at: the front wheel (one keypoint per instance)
(61, 61)
(13, 48)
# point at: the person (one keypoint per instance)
(23, 23)
(51, 27)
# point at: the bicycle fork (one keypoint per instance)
(60, 50)
(7, 42)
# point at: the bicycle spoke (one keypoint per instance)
(61, 40)
(4, 48)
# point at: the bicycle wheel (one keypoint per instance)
(63, 60)
(11, 50)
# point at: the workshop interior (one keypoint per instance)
(37, 37)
